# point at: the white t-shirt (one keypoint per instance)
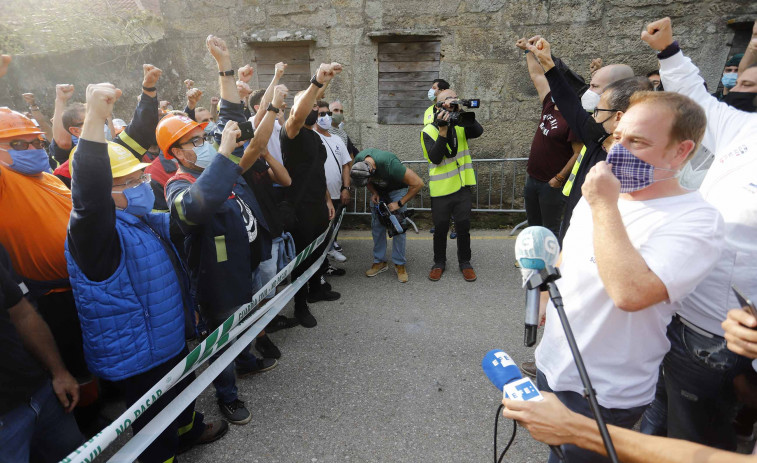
(274, 145)
(731, 186)
(680, 238)
(336, 157)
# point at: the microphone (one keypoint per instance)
(506, 377)
(535, 248)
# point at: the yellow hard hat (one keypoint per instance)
(122, 162)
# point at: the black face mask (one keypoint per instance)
(741, 100)
(312, 117)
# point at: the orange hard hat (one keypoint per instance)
(171, 128)
(14, 124)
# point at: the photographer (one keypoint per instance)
(450, 177)
(392, 182)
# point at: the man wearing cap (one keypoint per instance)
(390, 181)
(130, 285)
(730, 74)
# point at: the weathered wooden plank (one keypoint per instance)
(400, 116)
(415, 104)
(276, 53)
(422, 66)
(390, 95)
(294, 68)
(417, 47)
(400, 57)
(404, 85)
(411, 76)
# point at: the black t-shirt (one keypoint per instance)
(20, 374)
(304, 157)
(260, 182)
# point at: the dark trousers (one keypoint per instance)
(312, 220)
(624, 418)
(544, 204)
(184, 430)
(59, 312)
(695, 398)
(457, 206)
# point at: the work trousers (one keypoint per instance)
(457, 206)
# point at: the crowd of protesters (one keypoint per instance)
(128, 240)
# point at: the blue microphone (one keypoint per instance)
(505, 375)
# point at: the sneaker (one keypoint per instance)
(279, 323)
(453, 232)
(376, 269)
(337, 256)
(303, 315)
(267, 348)
(335, 272)
(235, 412)
(323, 295)
(260, 366)
(337, 247)
(401, 273)
(324, 284)
(529, 369)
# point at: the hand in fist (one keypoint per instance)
(64, 92)
(152, 74)
(279, 94)
(245, 73)
(100, 100)
(5, 60)
(658, 34)
(29, 99)
(189, 83)
(243, 89)
(193, 97)
(217, 47)
(280, 68)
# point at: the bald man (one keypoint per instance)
(601, 79)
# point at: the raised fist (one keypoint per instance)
(189, 83)
(193, 96)
(336, 68)
(217, 47)
(64, 92)
(5, 60)
(152, 74)
(595, 64)
(658, 34)
(280, 68)
(521, 43)
(214, 100)
(541, 50)
(243, 89)
(231, 132)
(165, 105)
(245, 73)
(100, 100)
(29, 99)
(279, 94)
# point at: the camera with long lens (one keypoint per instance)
(456, 115)
(397, 222)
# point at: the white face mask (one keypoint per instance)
(431, 94)
(324, 122)
(590, 100)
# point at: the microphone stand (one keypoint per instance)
(544, 280)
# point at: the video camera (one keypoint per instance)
(396, 222)
(456, 115)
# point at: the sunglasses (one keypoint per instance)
(328, 113)
(22, 145)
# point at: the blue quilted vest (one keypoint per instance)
(134, 320)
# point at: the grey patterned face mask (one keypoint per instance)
(633, 173)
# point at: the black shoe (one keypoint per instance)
(325, 285)
(267, 348)
(279, 323)
(235, 412)
(260, 366)
(323, 295)
(335, 272)
(303, 315)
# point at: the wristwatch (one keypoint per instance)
(271, 107)
(149, 89)
(226, 73)
(345, 188)
(399, 202)
(315, 82)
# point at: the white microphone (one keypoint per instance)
(535, 249)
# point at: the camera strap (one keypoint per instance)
(333, 155)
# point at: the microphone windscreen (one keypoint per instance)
(535, 248)
(500, 368)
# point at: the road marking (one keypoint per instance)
(426, 238)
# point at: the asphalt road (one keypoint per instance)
(392, 372)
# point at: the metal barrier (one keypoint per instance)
(499, 187)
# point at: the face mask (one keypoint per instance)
(205, 155)
(29, 162)
(74, 140)
(741, 100)
(338, 118)
(431, 94)
(312, 118)
(590, 100)
(210, 128)
(139, 200)
(324, 122)
(633, 173)
(729, 79)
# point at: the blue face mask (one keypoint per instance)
(210, 128)
(729, 79)
(29, 162)
(205, 155)
(139, 200)
(74, 140)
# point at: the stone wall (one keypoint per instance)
(478, 55)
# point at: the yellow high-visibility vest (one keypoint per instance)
(451, 174)
(428, 116)
(569, 183)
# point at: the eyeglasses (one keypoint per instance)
(198, 141)
(328, 113)
(144, 178)
(22, 145)
(597, 111)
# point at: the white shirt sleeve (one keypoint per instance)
(682, 253)
(680, 75)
